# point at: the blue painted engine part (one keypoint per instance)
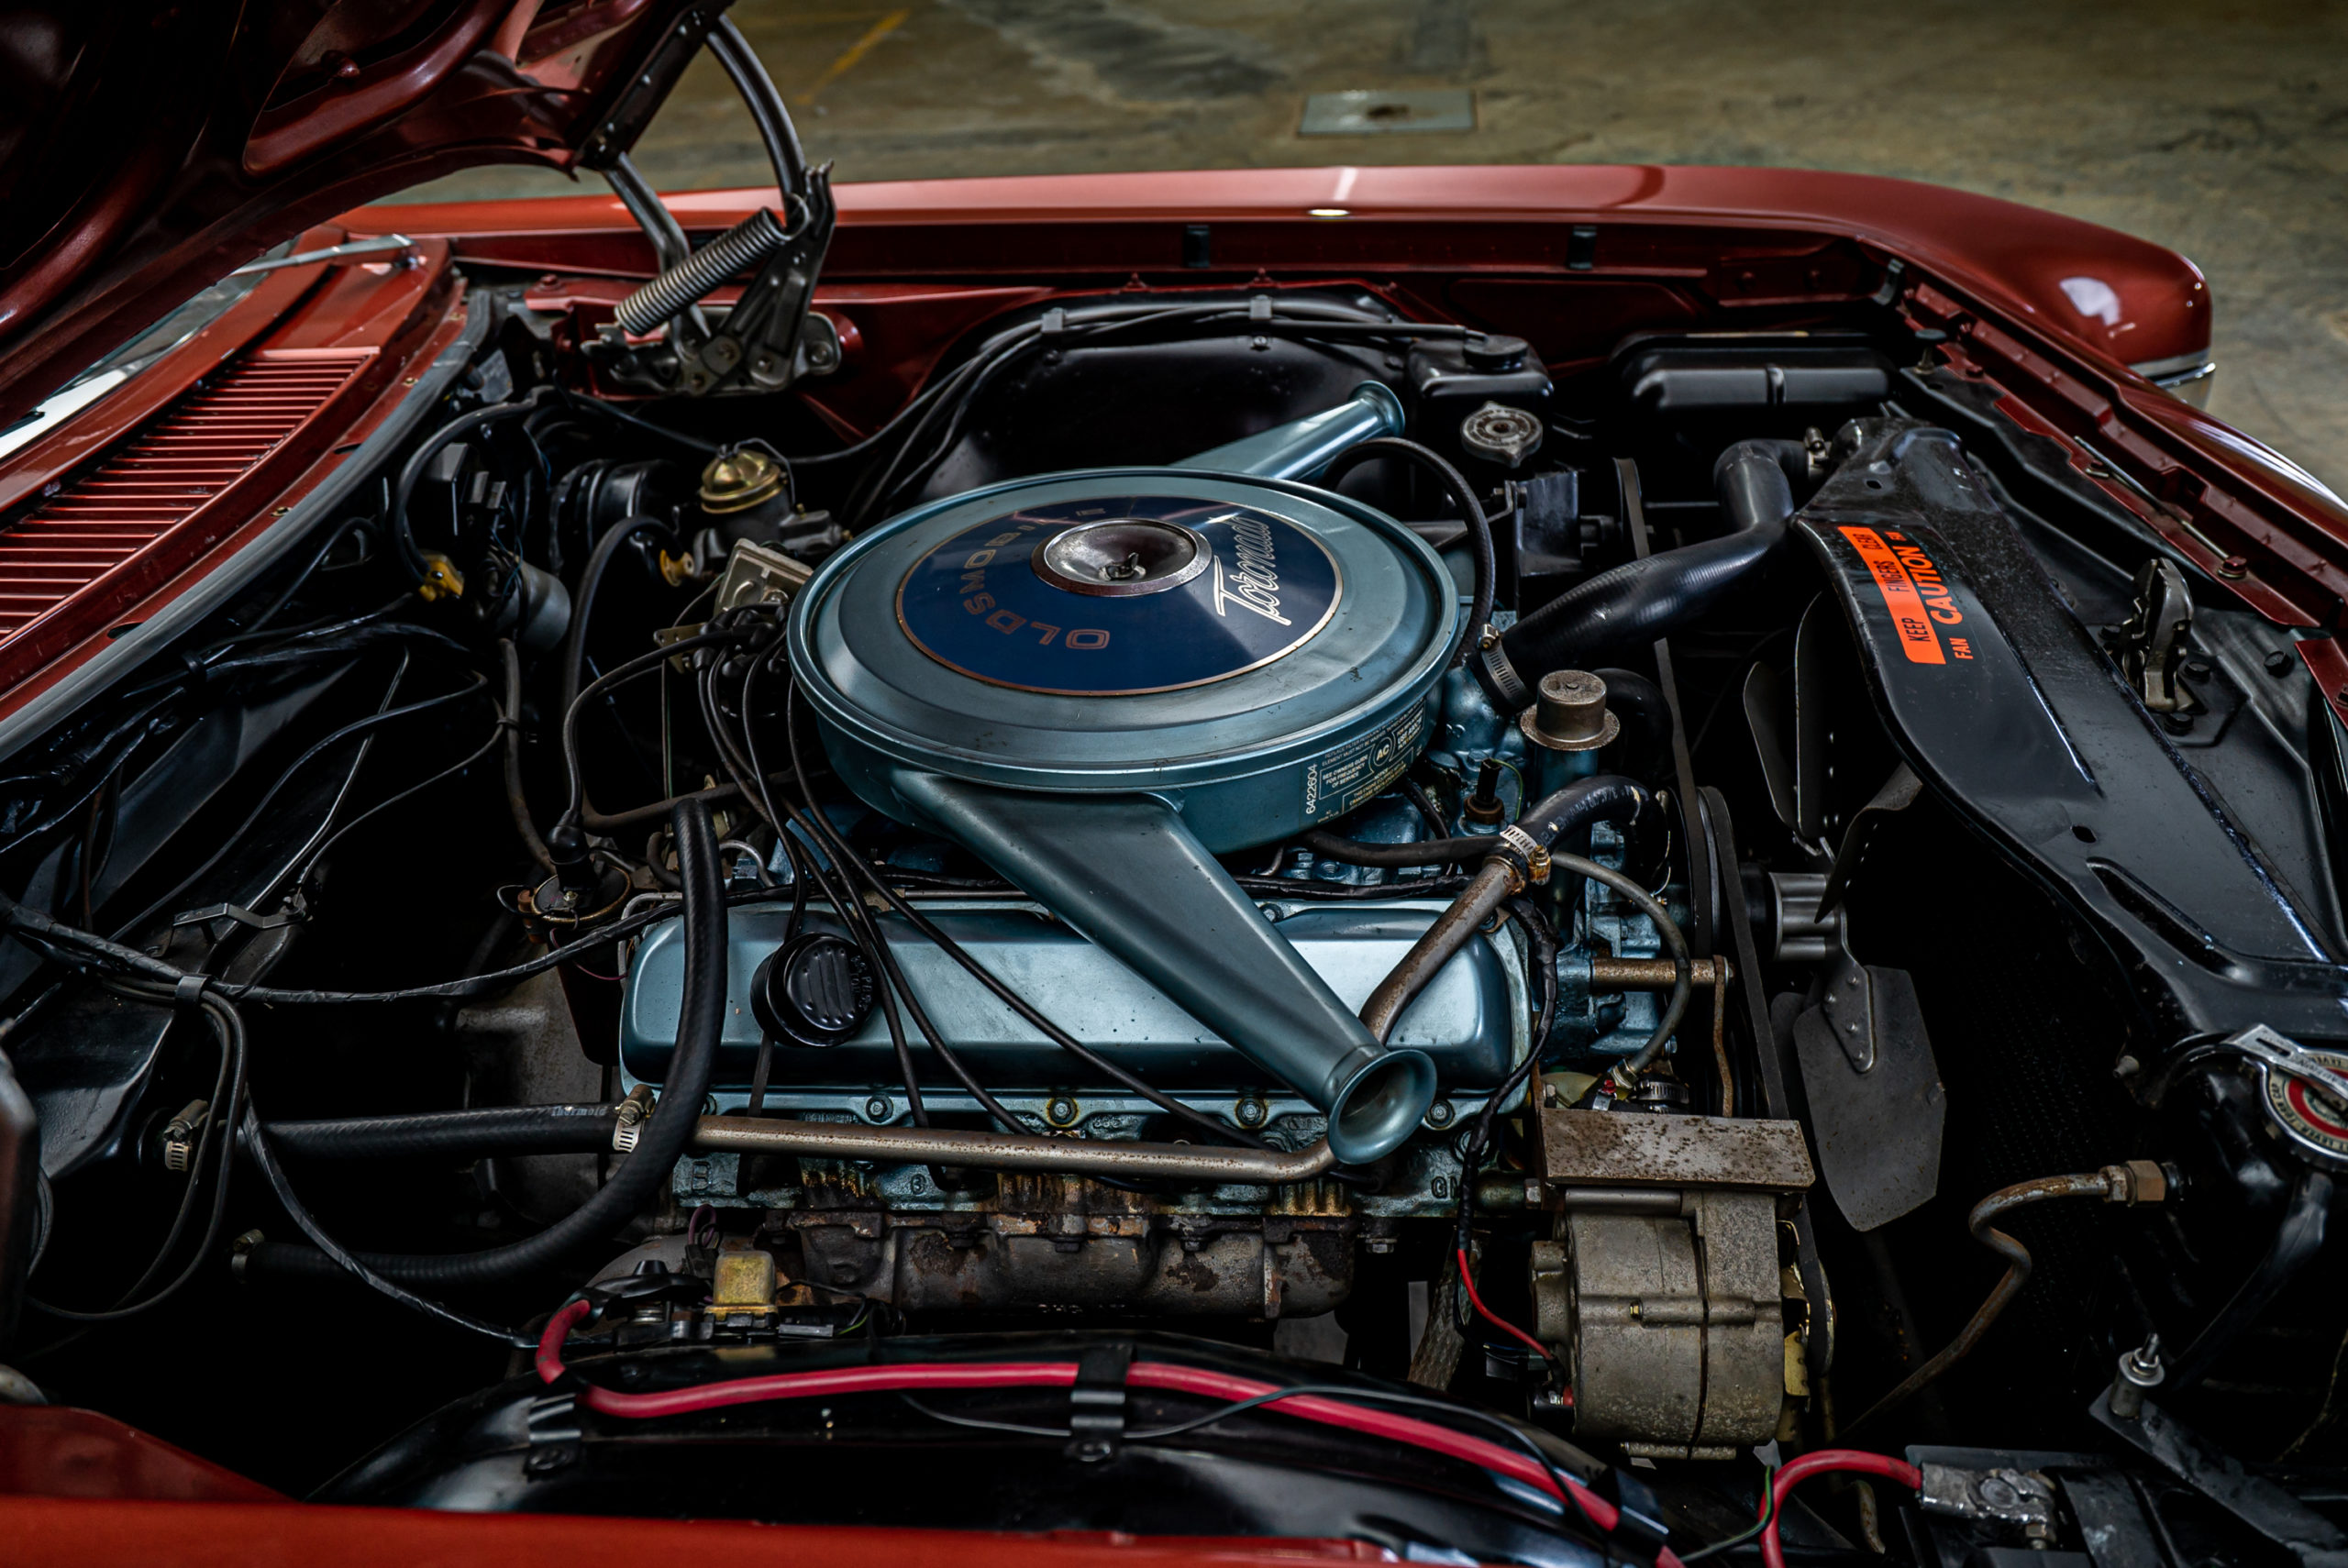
(1593, 1026)
(1470, 1021)
(1097, 682)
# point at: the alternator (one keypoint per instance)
(1662, 1286)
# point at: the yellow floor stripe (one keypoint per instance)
(854, 52)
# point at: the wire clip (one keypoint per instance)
(1096, 1402)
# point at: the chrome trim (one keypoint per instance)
(331, 253)
(2186, 376)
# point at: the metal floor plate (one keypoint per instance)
(1383, 113)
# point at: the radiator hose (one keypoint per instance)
(1624, 609)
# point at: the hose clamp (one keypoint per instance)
(1535, 854)
(182, 1136)
(631, 1116)
(1513, 693)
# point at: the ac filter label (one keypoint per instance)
(1355, 774)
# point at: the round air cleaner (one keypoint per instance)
(1264, 648)
(1097, 682)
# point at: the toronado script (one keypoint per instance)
(1254, 586)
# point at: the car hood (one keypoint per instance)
(146, 149)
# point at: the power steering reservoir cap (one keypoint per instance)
(1120, 596)
(815, 990)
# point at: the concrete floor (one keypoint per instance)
(2218, 127)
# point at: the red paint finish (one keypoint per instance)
(2327, 662)
(146, 491)
(1789, 233)
(151, 149)
(1658, 248)
(346, 106)
(56, 1451)
(152, 501)
(41, 1533)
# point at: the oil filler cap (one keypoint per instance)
(815, 990)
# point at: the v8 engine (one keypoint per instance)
(1668, 899)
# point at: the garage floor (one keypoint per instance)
(2217, 127)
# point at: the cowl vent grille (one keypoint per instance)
(148, 488)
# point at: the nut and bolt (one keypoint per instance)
(878, 1109)
(1484, 805)
(1251, 1111)
(2140, 1372)
(1062, 1110)
(1440, 1115)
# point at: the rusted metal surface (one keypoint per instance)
(1034, 1239)
(1673, 1323)
(1007, 1152)
(1452, 930)
(1598, 1148)
(1653, 974)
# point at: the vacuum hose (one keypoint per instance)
(1641, 600)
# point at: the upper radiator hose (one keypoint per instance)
(1640, 600)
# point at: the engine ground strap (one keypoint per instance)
(1096, 1402)
(554, 1432)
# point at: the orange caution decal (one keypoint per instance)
(1917, 638)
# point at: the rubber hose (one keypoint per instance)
(590, 578)
(666, 1135)
(1603, 798)
(1471, 511)
(517, 800)
(1646, 743)
(1638, 601)
(459, 1135)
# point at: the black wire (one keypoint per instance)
(1479, 527)
(744, 768)
(211, 1146)
(848, 855)
(586, 405)
(382, 715)
(954, 391)
(1343, 1393)
(341, 533)
(642, 663)
(842, 896)
(317, 856)
(1541, 959)
(255, 1140)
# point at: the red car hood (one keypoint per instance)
(147, 149)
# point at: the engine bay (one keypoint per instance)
(1705, 901)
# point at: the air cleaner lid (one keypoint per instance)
(1119, 596)
(1145, 629)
